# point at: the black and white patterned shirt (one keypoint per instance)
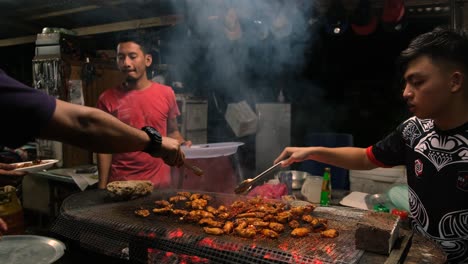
(437, 173)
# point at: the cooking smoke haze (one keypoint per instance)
(278, 41)
(269, 52)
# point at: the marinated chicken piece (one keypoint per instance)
(294, 224)
(284, 217)
(248, 232)
(308, 218)
(241, 225)
(249, 220)
(222, 208)
(270, 233)
(196, 215)
(322, 220)
(162, 203)
(300, 210)
(260, 224)
(207, 197)
(142, 212)
(195, 196)
(251, 214)
(180, 212)
(300, 232)
(210, 222)
(186, 194)
(319, 227)
(177, 198)
(266, 208)
(256, 200)
(329, 233)
(277, 227)
(269, 217)
(199, 204)
(213, 230)
(223, 216)
(238, 204)
(314, 221)
(228, 227)
(162, 210)
(211, 209)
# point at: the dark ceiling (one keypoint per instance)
(21, 20)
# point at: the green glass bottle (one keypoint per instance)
(325, 195)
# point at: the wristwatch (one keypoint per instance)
(155, 140)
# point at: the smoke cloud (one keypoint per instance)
(240, 50)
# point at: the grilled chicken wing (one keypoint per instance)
(222, 208)
(300, 232)
(228, 227)
(213, 230)
(142, 212)
(300, 210)
(251, 214)
(199, 204)
(210, 222)
(330, 233)
(319, 227)
(284, 217)
(248, 232)
(211, 209)
(308, 218)
(164, 210)
(186, 194)
(177, 198)
(162, 203)
(277, 227)
(294, 224)
(195, 196)
(270, 233)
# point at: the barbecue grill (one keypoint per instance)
(97, 223)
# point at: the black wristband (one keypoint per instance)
(155, 143)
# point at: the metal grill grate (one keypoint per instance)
(111, 228)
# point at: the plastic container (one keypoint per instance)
(11, 210)
(377, 180)
(312, 188)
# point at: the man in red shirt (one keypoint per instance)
(138, 102)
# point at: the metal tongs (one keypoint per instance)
(194, 169)
(246, 185)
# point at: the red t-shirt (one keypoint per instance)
(152, 106)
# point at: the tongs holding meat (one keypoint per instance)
(197, 171)
(245, 185)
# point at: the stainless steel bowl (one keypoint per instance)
(298, 177)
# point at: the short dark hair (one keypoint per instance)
(439, 44)
(136, 37)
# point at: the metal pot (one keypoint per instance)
(298, 177)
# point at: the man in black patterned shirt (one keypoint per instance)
(433, 145)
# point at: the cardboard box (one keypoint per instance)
(378, 180)
(241, 118)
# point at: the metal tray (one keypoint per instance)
(27, 249)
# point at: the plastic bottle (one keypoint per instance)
(325, 194)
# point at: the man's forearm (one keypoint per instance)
(104, 164)
(346, 157)
(93, 129)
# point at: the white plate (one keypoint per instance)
(211, 150)
(45, 164)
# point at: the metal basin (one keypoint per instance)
(298, 177)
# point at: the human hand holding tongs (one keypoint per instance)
(247, 184)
